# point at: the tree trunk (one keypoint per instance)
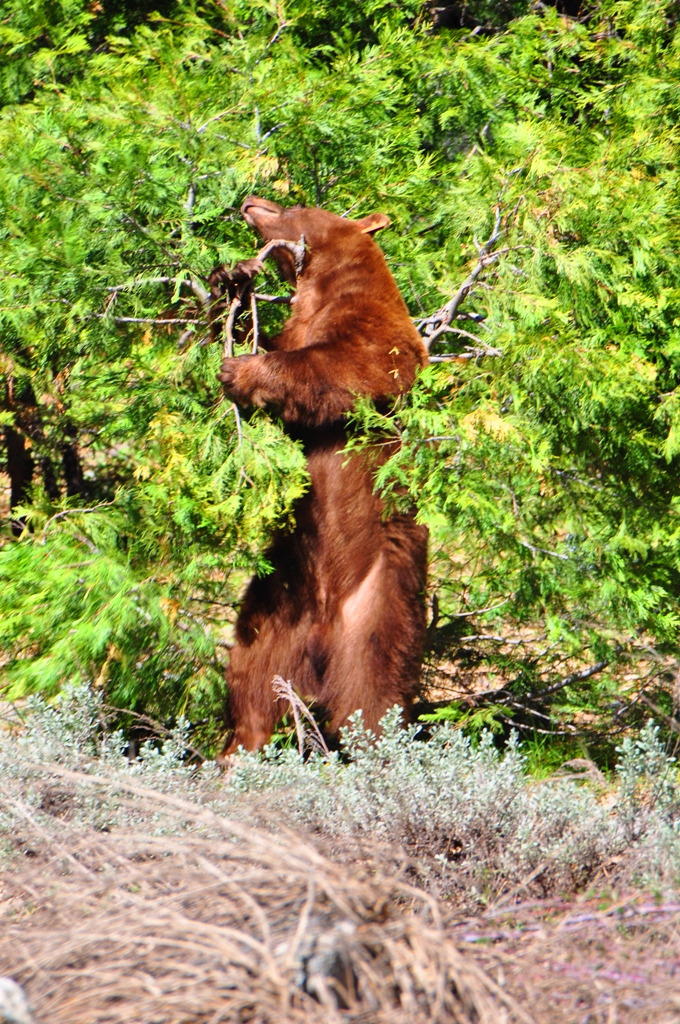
(71, 464)
(49, 478)
(20, 470)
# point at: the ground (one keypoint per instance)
(148, 894)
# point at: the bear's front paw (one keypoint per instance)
(246, 270)
(228, 280)
(234, 375)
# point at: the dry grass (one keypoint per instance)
(220, 923)
(613, 960)
(185, 915)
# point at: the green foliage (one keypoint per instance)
(548, 475)
(473, 721)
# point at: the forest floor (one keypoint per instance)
(126, 900)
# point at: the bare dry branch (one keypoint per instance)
(229, 325)
(574, 677)
(470, 353)
(191, 199)
(146, 320)
(543, 551)
(283, 688)
(129, 285)
(434, 326)
(201, 293)
(239, 429)
(482, 611)
(670, 721)
(72, 512)
(283, 300)
(253, 310)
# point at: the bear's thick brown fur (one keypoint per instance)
(342, 615)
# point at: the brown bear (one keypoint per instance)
(342, 615)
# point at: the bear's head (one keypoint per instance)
(324, 232)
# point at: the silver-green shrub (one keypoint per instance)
(474, 808)
(70, 735)
(466, 814)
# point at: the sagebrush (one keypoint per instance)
(467, 814)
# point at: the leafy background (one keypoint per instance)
(129, 136)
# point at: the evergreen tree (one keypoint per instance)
(536, 159)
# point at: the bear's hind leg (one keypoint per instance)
(278, 648)
(379, 634)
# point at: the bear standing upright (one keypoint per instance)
(342, 615)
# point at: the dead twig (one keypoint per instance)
(283, 688)
(432, 327)
(574, 677)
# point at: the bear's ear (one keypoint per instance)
(374, 222)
